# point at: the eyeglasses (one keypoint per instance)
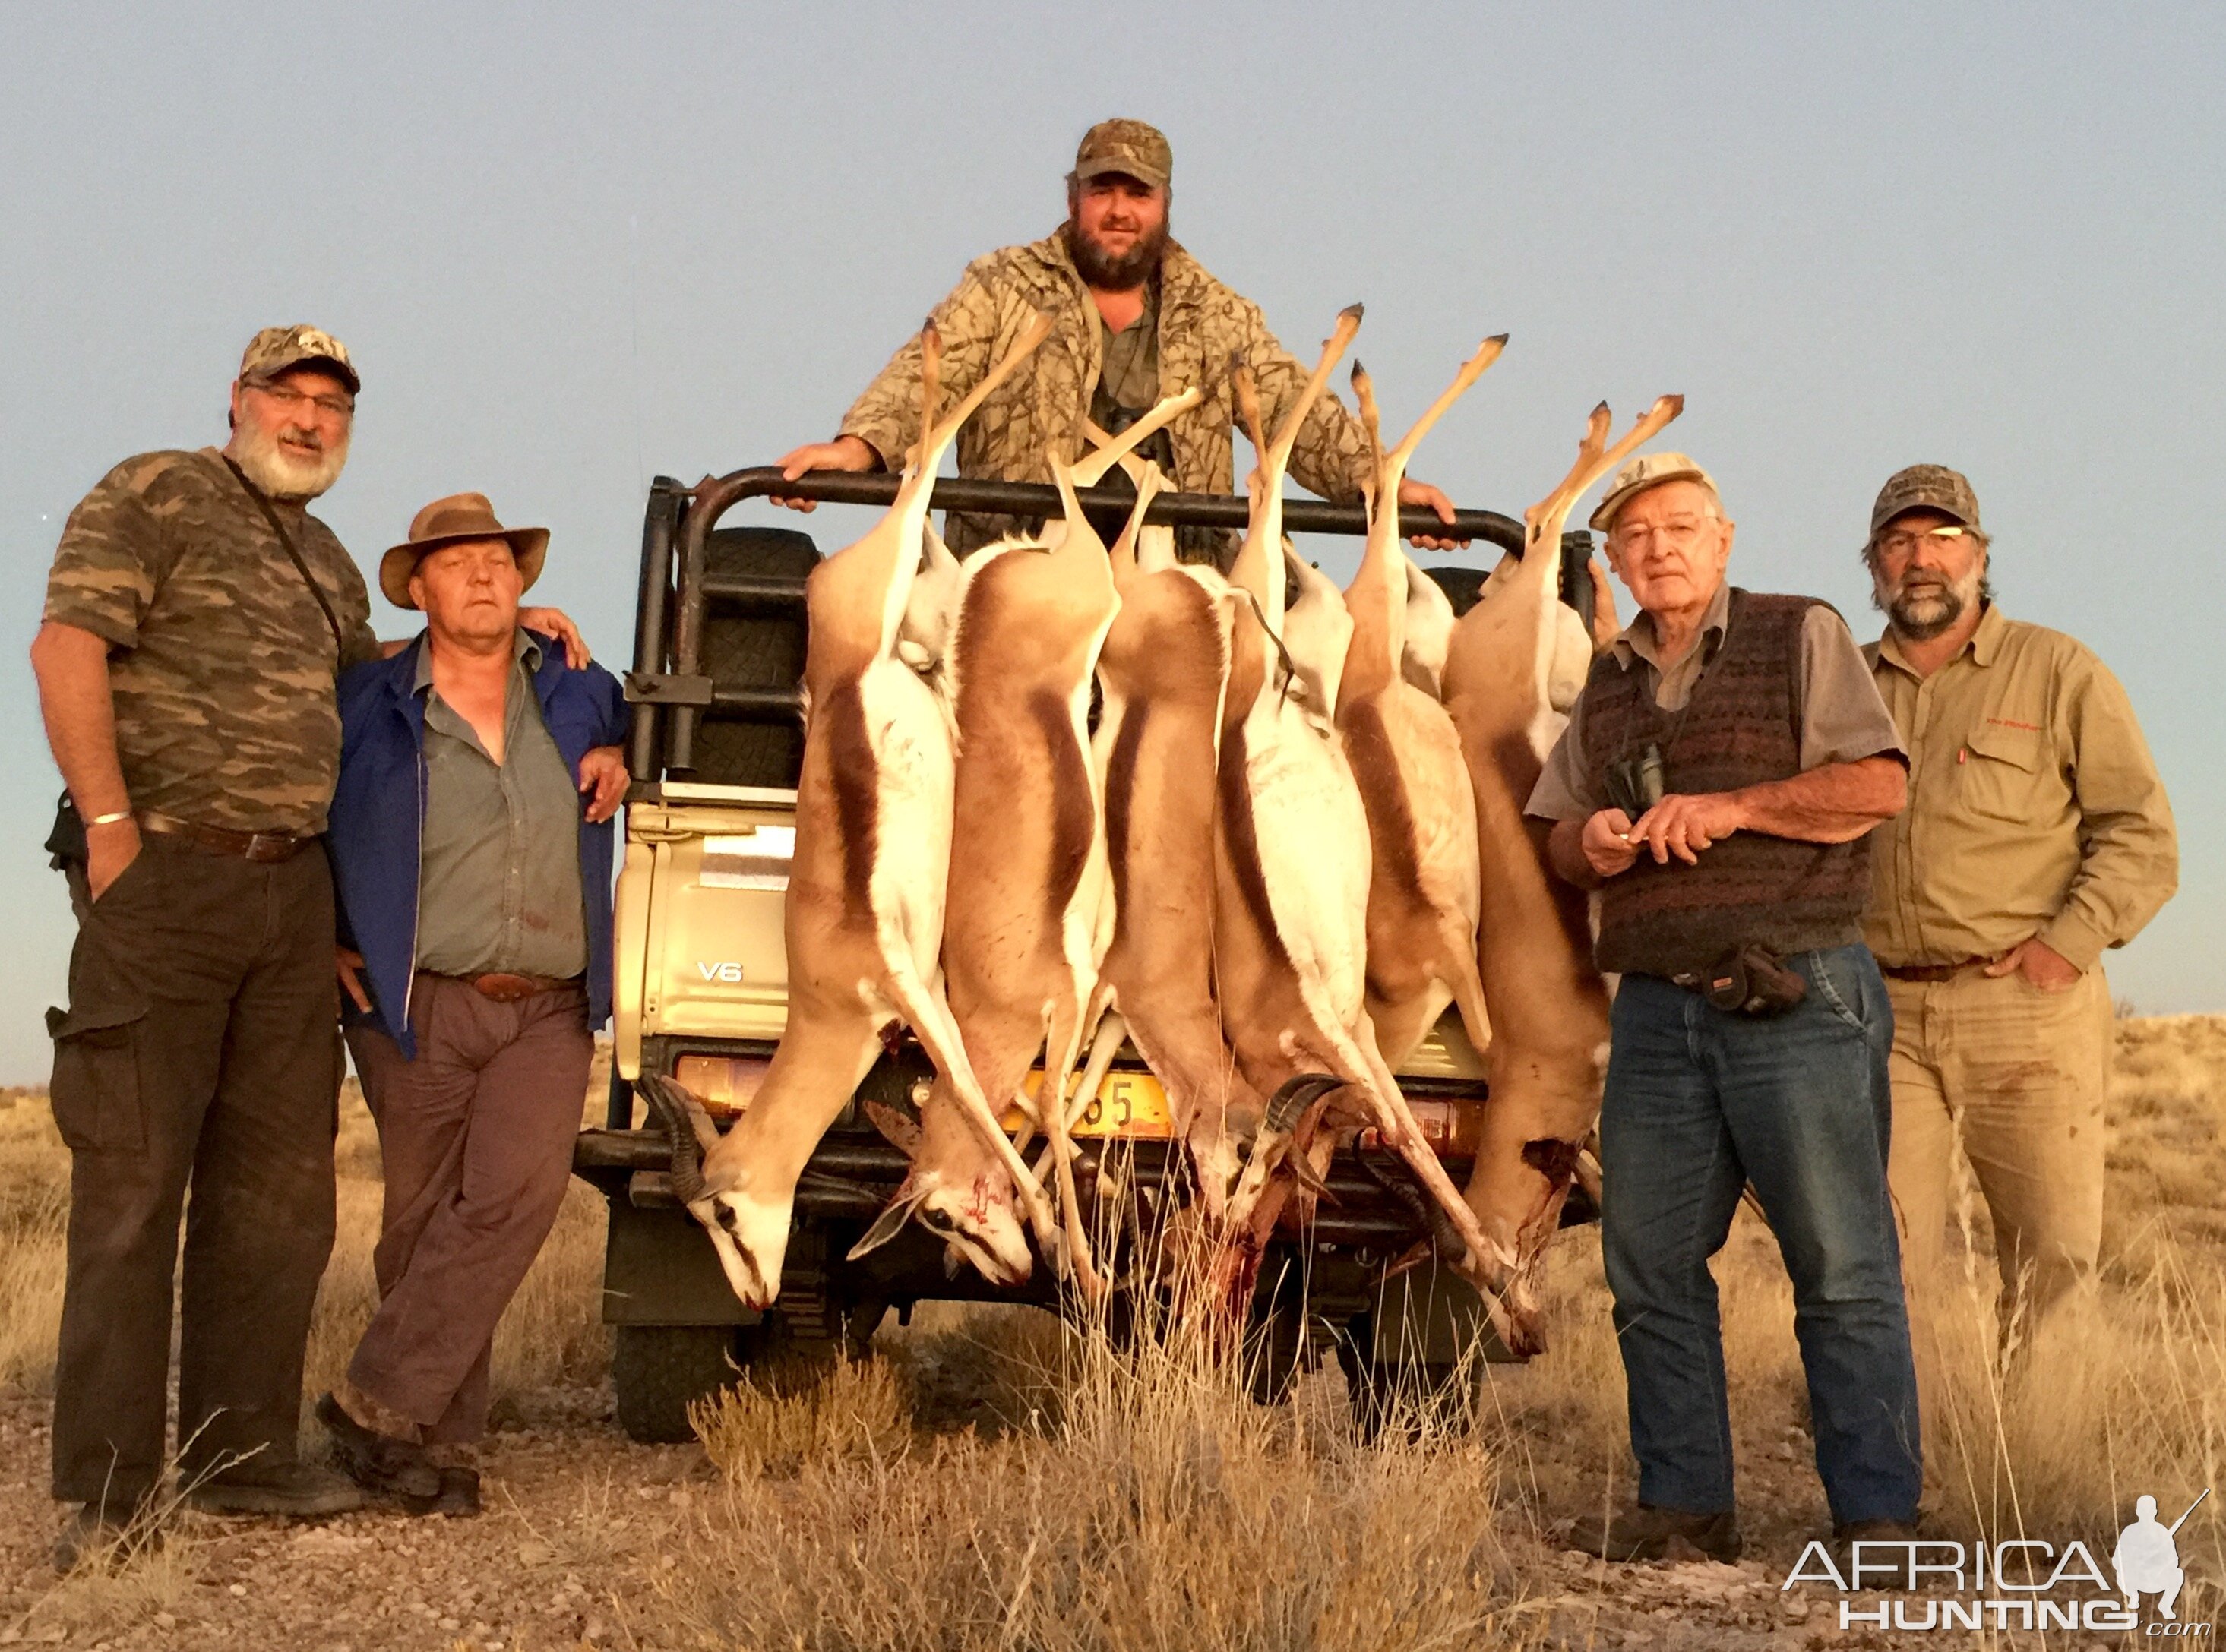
(1677, 533)
(1905, 543)
(286, 396)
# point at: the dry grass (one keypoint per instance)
(33, 1209)
(1149, 1506)
(993, 1478)
(552, 1334)
(2129, 1397)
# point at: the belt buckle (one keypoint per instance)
(264, 847)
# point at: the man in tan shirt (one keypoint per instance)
(2037, 835)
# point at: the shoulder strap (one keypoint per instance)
(286, 540)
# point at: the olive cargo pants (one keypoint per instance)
(476, 1137)
(200, 1054)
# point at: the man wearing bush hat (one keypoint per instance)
(2037, 836)
(474, 908)
(1716, 782)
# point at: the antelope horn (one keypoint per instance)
(687, 1128)
(1292, 1099)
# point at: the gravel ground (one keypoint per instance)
(568, 1554)
(573, 1512)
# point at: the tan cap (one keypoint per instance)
(1648, 470)
(1128, 146)
(1926, 487)
(275, 349)
(449, 522)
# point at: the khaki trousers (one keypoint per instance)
(476, 1139)
(2014, 1078)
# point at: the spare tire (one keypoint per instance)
(755, 645)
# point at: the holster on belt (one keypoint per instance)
(1750, 981)
(65, 845)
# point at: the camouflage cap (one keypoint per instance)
(1648, 470)
(452, 521)
(1926, 487)
(1128, 146)
(275, 349)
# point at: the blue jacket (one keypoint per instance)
(378, 819)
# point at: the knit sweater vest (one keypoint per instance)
(1742, 728)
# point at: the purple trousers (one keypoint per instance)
(476, 1134)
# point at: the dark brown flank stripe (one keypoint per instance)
(1120, 795)
(1070, 812)
(1368, 747)
(1244, 841)
(851, 767)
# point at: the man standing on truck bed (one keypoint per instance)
(1134, 316)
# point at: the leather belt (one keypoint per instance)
(1929, 973)
(261, 847)
(504, 987)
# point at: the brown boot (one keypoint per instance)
(1645, 1533)
(380, 1463)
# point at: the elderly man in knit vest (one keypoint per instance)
(1716, 783)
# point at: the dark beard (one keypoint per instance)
(1111, 275)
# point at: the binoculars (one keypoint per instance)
(1634, 783)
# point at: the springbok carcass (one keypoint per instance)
(1163, 674)
(1406, 755)
(1026, 918)
(1292, 860)
(864, 914)
(1506, 681)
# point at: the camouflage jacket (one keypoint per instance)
(1040, 409)
(220, 662)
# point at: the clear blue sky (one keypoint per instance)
(573, 246)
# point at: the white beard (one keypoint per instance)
(278, 472)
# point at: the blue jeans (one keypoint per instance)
(1699, 1101)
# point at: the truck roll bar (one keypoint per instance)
(667, 688)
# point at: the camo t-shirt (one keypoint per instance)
(220, 661)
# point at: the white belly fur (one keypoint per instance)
(1313, 834)
(912, 797)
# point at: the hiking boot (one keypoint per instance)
(1645, 1533)
(93, 1529)
(1876, 1531)
(291, 1490)
(380, 1463)
(458, 1497)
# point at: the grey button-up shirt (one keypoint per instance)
(499, 866)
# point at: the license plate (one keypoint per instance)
(1131, 1104)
